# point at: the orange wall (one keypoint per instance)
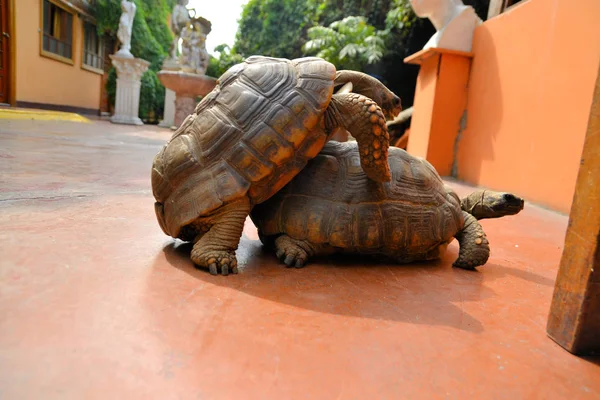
(529, 98)
(43, 80)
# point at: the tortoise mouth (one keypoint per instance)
(509, 204)
(391, 111)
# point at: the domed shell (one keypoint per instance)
(250, 136)
(332, 201)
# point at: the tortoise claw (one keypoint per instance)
(291, 251)
(289, 260)
(212, 268)
(217, 263)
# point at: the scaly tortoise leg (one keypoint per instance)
(363, 118)
(295, 252)
(474, 246)
(216, 248)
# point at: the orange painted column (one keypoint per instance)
(439, 106)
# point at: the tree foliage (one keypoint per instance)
(273, 27)
(349, 44)
(369, 35)
(374, 11)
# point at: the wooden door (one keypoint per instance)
(4, 43)
(574, 320)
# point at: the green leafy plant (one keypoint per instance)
(400, 16)
(349, 44)
(334, 10)
(227, 58)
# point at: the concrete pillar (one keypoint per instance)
(169, 113)
(440, 105)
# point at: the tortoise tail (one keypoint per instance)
(474, 246)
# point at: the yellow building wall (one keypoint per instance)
(44, 80)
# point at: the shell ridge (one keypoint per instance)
(249, 113)
(232, 134)
(310, 99)
(268, 85)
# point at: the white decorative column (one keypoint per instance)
(127, 102)
(169, 113)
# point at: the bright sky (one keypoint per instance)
(223, 14)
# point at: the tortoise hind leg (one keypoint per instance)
(216, 248)
(295, 253)
(363, 118)
(474, 246)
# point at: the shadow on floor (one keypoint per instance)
(594, 359)
(431, 293)
(501, 271)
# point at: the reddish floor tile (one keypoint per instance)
(98, 303)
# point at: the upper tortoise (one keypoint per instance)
(250, 136)
(331, 206)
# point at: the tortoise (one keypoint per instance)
(331, 207)
(250, 136)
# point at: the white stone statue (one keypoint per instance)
(194, 57)
(125, 27)
(180, 18)
(453, 21)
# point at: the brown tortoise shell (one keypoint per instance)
(333, 202)
(250, 136)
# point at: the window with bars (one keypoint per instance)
(93, 47)
(57, 31)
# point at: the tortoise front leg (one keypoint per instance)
(216, 248)
(474, 246)
(363, 118)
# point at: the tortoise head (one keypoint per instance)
(373, 88)
(502, 204)
(490, 204)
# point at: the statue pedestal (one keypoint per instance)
(169, 114)
(127, 102)
(186, 87)
(440, 105)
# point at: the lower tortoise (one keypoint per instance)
(331, 206)
(250, 136)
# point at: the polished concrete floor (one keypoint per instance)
(97, 303)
